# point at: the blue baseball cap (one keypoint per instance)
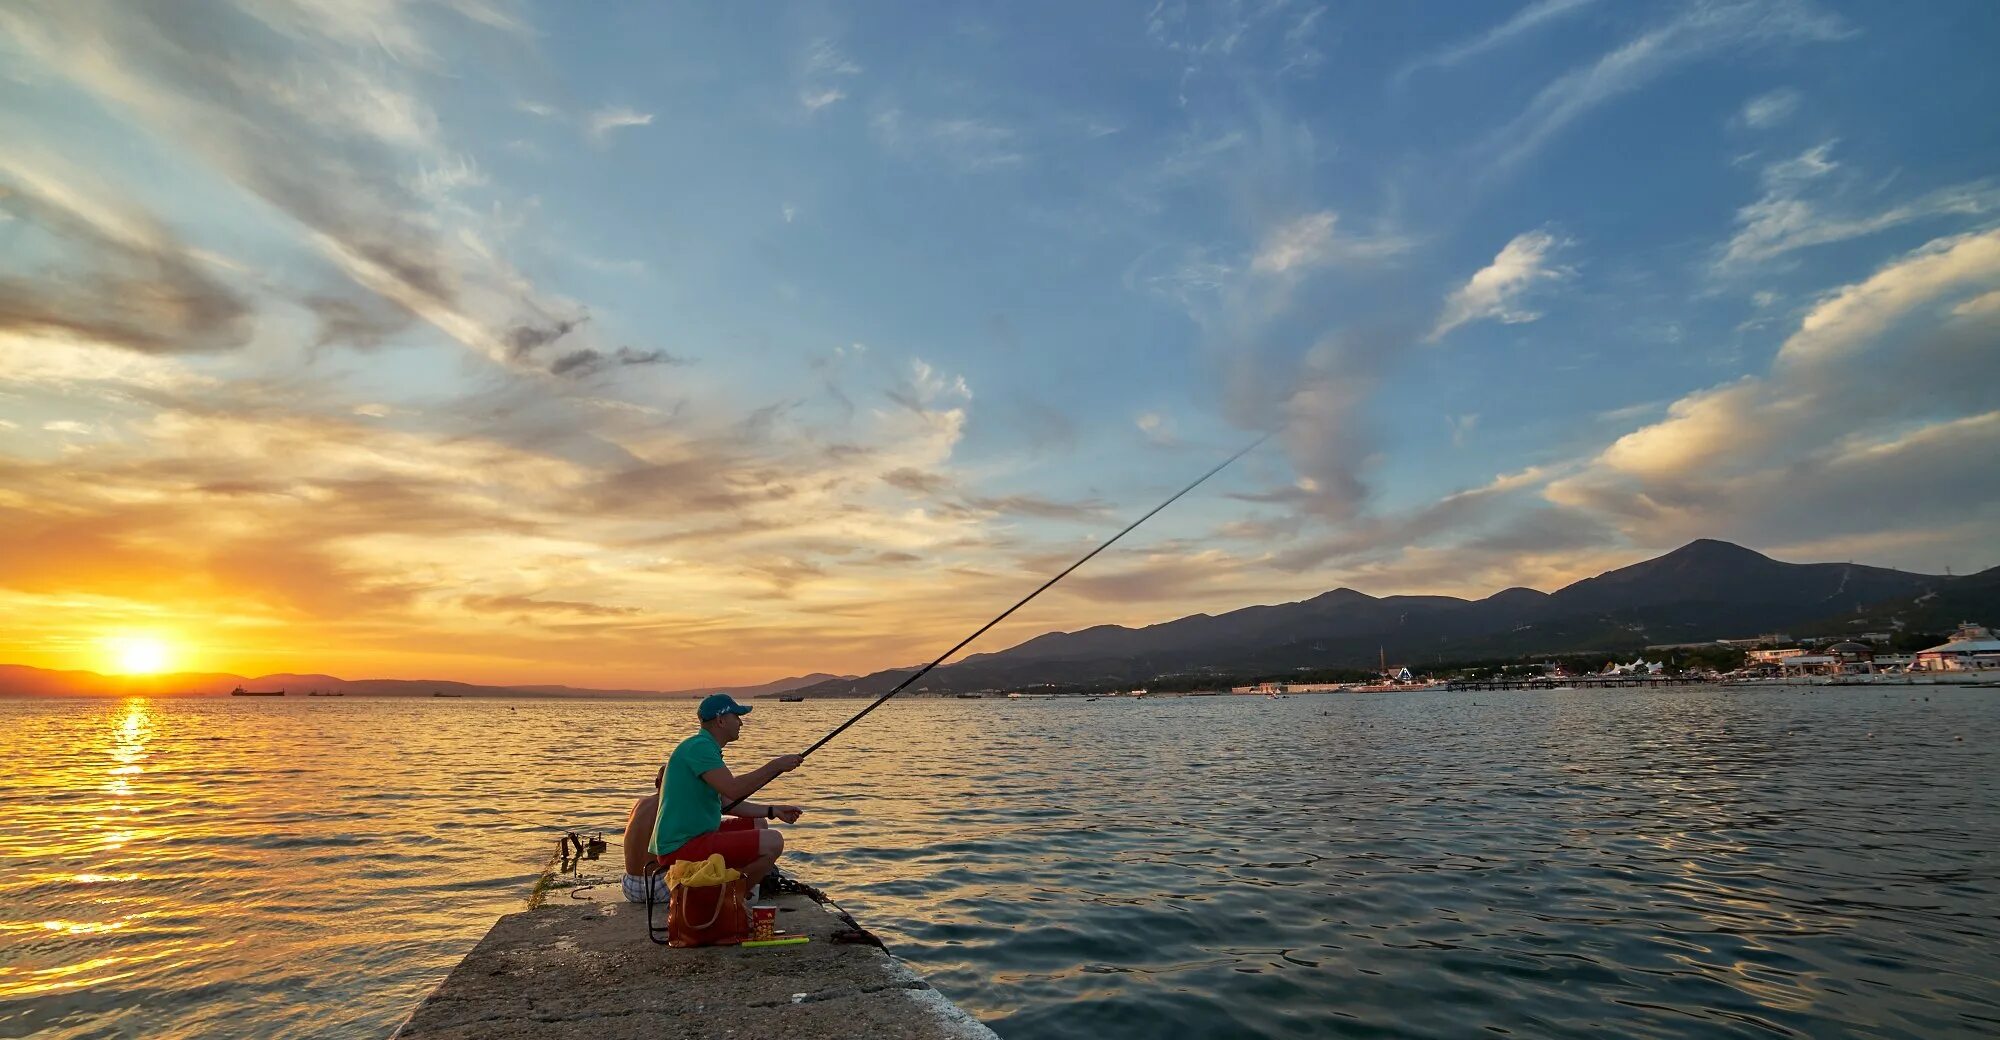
(716, 705)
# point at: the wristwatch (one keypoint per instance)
(770, 812)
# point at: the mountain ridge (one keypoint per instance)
(1706, 589)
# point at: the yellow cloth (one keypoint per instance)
(701, 873)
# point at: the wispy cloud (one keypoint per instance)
(590, 361)
(1228, 41)
(602, 122)
(1534, 15)
(814, 100)
(822, 68)
(126, 280)
(1302, 241)
(824, 58)
(1491, 507)
(1269, 278)
(1698, 31)
(1036, 506)
(1803, 205)
(967, 144)
(597, 126)
(928, 385)
(1768, 110)
(308, 123)
(1497, 291)
(1310, 240)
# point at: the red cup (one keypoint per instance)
(763, 921)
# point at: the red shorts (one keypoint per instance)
(738, 840)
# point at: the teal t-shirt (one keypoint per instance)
(688, 806)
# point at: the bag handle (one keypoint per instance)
(717, 915)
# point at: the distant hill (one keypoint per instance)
(776, 686)
(766, 689)
(1706, 589)
(1973, 597)
(19, 680)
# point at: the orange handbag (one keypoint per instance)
(708, 915)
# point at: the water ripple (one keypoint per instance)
(1567, 863)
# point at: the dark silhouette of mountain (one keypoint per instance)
(20, 679)
(772, 689)
(1706, 589)
(1972, 597)
(776, 686)
(1717, 577)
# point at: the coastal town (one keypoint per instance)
(1970, 655)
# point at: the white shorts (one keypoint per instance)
(635, 888)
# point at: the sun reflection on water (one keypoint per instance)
(82, 810)
(208, 868)
(28, 983)
(132, 732)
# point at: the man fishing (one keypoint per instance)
(693, 789)
(638, 845)
(697, 781)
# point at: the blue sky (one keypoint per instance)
(666, 344)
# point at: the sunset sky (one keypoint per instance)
(670, 345)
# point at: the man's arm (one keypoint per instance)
(733, 788)
(763, 811)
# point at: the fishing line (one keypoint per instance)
(879, 701)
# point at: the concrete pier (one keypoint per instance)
(579, 965)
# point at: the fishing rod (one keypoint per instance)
(901, 686)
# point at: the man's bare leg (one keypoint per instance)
(772, 844)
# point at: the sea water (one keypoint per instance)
(1675, 862)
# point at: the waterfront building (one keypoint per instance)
(1279, 688)
(1972, 648)
(1843, 658)
(1774, 656)
(1853, 653)
(1894, 664)
(1809, 664)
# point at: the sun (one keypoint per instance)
(140, 655)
